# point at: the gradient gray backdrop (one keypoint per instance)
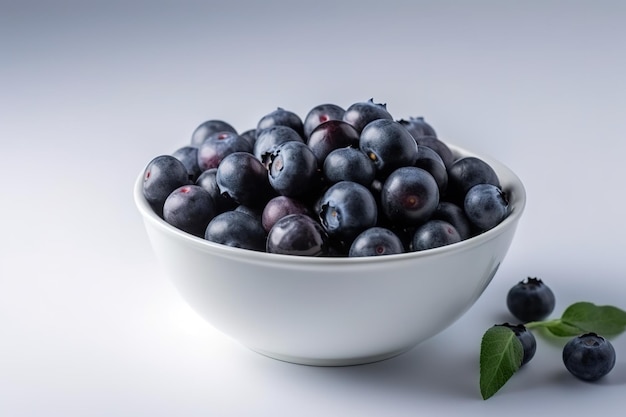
(91, 91)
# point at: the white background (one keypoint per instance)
(90, 92)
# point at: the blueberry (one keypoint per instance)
(332, 135)
(250, 136)
(486, 206)
(430, 160)
(268, 139)
(418, 127)
(433, 234)
(281, 117)
(162, 175)
(292, 169)
(189, 208)
(376, 241)
(244, 179)
(388, 144)
(589, 356)
(467, 172)
(296, 234)
(321, 114)
(188, 155)
(438, 146)
(208, 181)
(530, 300)
(346, 209)
(527, 339)
(279, 207)
(219, 145)
(209, 127)
(349, 164)
(361, 113)
(236, 229)
(454, 215)
(409, 196)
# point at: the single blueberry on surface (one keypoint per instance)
(361, 113)
(388, 144)
(162, 175)
(319, 114)
(530, 300)
(589, 357)
(486, 206)
(209, 127)
(527, 339)
(433, 234)
(296, 234)
(376, 241)
(409, 196)
(189, 208)
(236, 229)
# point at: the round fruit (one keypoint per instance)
(530, 300)
(589, 357)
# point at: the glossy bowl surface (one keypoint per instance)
(333, 311)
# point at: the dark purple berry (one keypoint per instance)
(486, 206)
(321, 114)
(349, 164)
(376, 241)
(409, 196)
(237, 229)
(207, 128)
(331, 135)
(219, 145)
(281, 117)
(433, 234)
(244, 179)
(296, 234)
(292, 169)
(163, 175)
(388, 144)
(530, 300)
(279, 207)
(189, 208)
(589, 357)
(361, 113)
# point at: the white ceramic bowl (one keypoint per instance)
(333, 311)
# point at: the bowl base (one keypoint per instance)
(350, 361)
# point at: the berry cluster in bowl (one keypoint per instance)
(338, 182)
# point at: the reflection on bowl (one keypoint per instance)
(333, 311)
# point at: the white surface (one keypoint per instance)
(90, 93)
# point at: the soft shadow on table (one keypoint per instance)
(425, 370)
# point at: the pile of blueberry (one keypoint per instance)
(587, 356)
(340, 182)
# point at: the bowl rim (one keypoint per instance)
(510, 182)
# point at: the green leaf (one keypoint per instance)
(560, 329)
(588, 317)
(501, 355)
